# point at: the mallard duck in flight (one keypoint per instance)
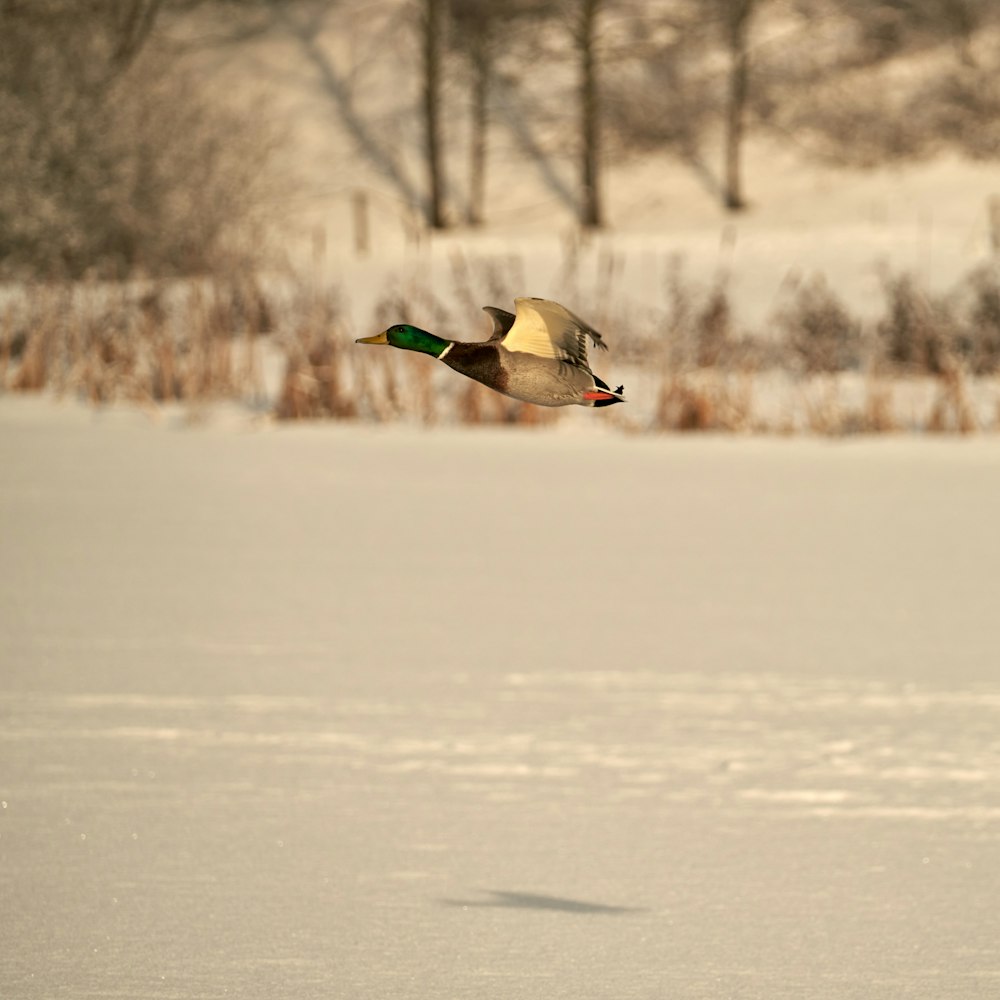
(538, 355)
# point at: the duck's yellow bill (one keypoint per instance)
(379, 338)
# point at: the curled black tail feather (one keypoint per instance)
(601, 384)
(611, 401)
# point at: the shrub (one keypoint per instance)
(979, 341)
(110, 170)
(918, 331)
(819, 331)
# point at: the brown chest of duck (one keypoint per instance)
(538, 355)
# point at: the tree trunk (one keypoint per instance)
(479, 123)
(433, 27)
(961, 23)
(738, 23)
(591, 210)
(134, 22)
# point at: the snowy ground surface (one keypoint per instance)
(318, 712)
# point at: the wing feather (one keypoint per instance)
(502, 321)
(549, 330)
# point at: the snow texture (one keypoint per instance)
(334, 712)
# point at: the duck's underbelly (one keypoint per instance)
(544, 387)
(543, 382)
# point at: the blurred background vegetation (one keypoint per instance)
(123, 153)
(133, 153)
(117, 158)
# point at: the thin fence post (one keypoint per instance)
(359, 213)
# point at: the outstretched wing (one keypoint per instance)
(502, 322)
(549, 330)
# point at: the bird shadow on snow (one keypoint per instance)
(502, 899)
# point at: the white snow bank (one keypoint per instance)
(571, 550)
(339, 712)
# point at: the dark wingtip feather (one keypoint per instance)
(502, 321)
(597, 339)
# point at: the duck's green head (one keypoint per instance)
(408, 338)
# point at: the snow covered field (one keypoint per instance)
(342, 712)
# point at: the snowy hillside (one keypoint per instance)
(347, 87)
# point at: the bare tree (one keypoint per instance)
(432, 28)
(480, 29)
(670, 96)
(482, 57)
(133, 22)
(897, 26)
(115, 158)
(961, 18)
(476, 28)
(849, 107)
(585, 34)
(736, 16)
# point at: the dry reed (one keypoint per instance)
(687, 367)
(138, 341)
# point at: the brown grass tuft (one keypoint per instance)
(952, 410)
(314, 384)
(703, 401)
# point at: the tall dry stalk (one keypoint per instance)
(704, 401)
(126, 342)
(314, 383)
(952, 409)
